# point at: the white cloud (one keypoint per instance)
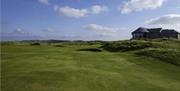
(71, 12)
(45, 2)
(101, 29)
(19, 31)
(49, 30)
(78, 13)
(167, 21)
(139, 5)
(96, 9)
(170, 19)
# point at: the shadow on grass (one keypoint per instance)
(90, 49)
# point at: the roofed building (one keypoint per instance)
(154, 33)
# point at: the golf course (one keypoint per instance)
(91, 67)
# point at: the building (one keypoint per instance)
(154, 33)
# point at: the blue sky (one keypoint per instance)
(84, 19)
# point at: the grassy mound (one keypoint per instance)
(130, 45)
(168, 55)
(164, 50)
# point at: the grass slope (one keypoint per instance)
(73, 68)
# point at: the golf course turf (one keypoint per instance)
(83, 68)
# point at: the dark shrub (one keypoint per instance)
(91, 49)
(36, 43)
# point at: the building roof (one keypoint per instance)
(169, 31)
(154, 30)
(141, 30)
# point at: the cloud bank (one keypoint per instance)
(108, 33)
(167, 21)
(139, 5)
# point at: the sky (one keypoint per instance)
(84, 19)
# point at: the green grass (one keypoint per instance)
(74, 68)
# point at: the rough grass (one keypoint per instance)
(164, 50)
(168, 55)
(130, 45)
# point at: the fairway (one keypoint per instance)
(73, 68)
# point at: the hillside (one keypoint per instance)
(91, 66)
